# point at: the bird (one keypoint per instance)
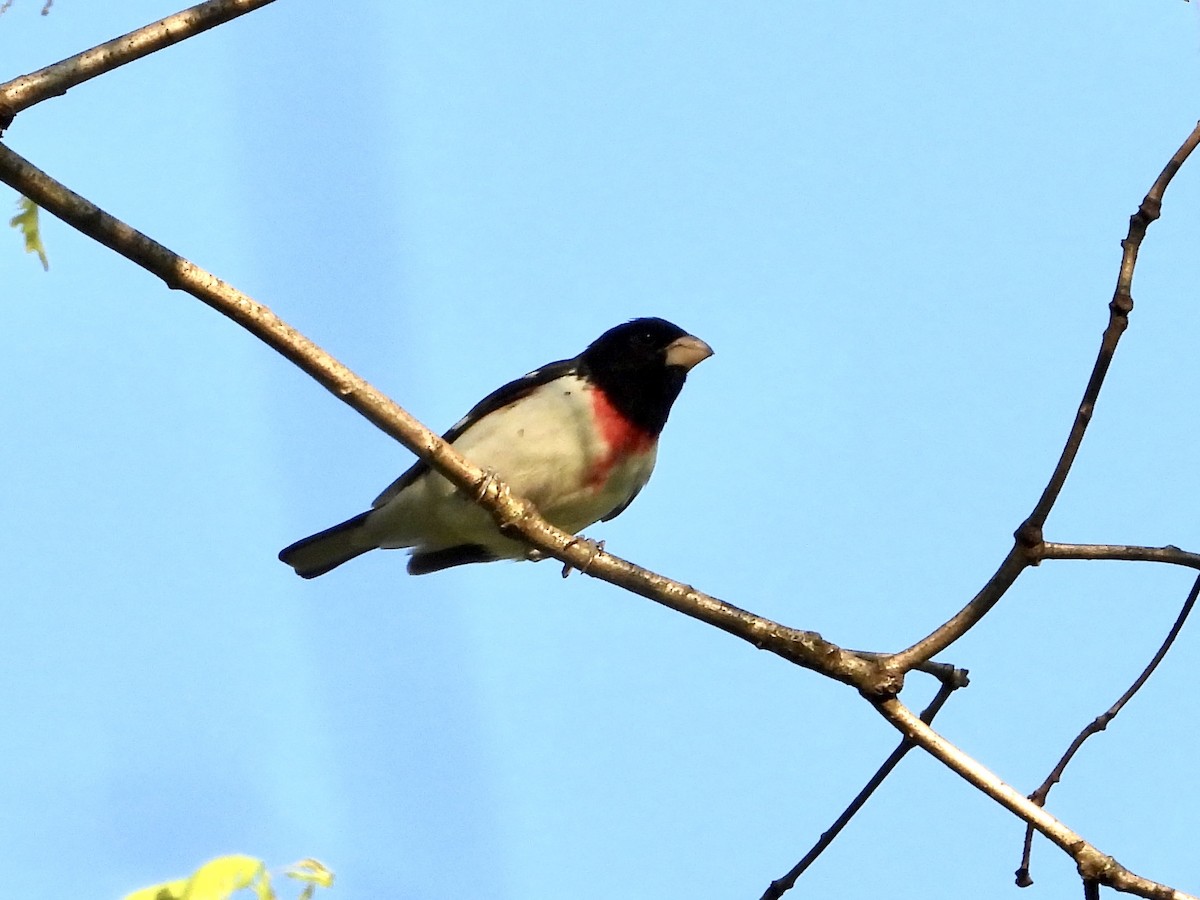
(577, 437)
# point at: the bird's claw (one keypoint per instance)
(485, 484)
(596, 547)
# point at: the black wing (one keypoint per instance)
(497, 399)
(424, 562)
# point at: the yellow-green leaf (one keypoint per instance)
(262, 887)
(313, 871)
(217, 879)
(26, 222)
(169, 891)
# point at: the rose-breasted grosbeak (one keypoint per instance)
(577, 437)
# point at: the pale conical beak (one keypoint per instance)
(687, 352)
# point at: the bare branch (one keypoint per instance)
(1119, 308)
(1099, 724)
(55, 80)
(1169, 554)
(1092, 864)
(1013, 565)
(947, 674)
(1028, 537)
(782, 885)
(515, 516)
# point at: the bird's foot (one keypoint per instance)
(596, 547)
(486, 483)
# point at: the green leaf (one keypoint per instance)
(26, 222)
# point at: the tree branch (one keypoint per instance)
(515, 516)
(1028, 537)
(55, 80)
(1014, 564)
(1099, 724)
(1092, 864)
(781, 886)
(1119, 308)
(1169, 554)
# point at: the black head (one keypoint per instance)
(641, 366)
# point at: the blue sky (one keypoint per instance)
(899, 229)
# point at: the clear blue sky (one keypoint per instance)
(897, 226)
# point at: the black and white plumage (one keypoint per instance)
(577, 437)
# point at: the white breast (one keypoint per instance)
(544, 448)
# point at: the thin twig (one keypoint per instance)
(947, 673)
(1171, 555)
(55, 80)
(1017, 560)
(1119, 307)
(1099, 724)
(1028, 536)
(514, 515)
(1091, 862)
(782, 885)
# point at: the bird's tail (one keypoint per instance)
(318, 553)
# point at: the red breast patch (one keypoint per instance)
(621, 437)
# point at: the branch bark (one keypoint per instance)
(1092, 863)
(55, 80)
(1170, 554)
